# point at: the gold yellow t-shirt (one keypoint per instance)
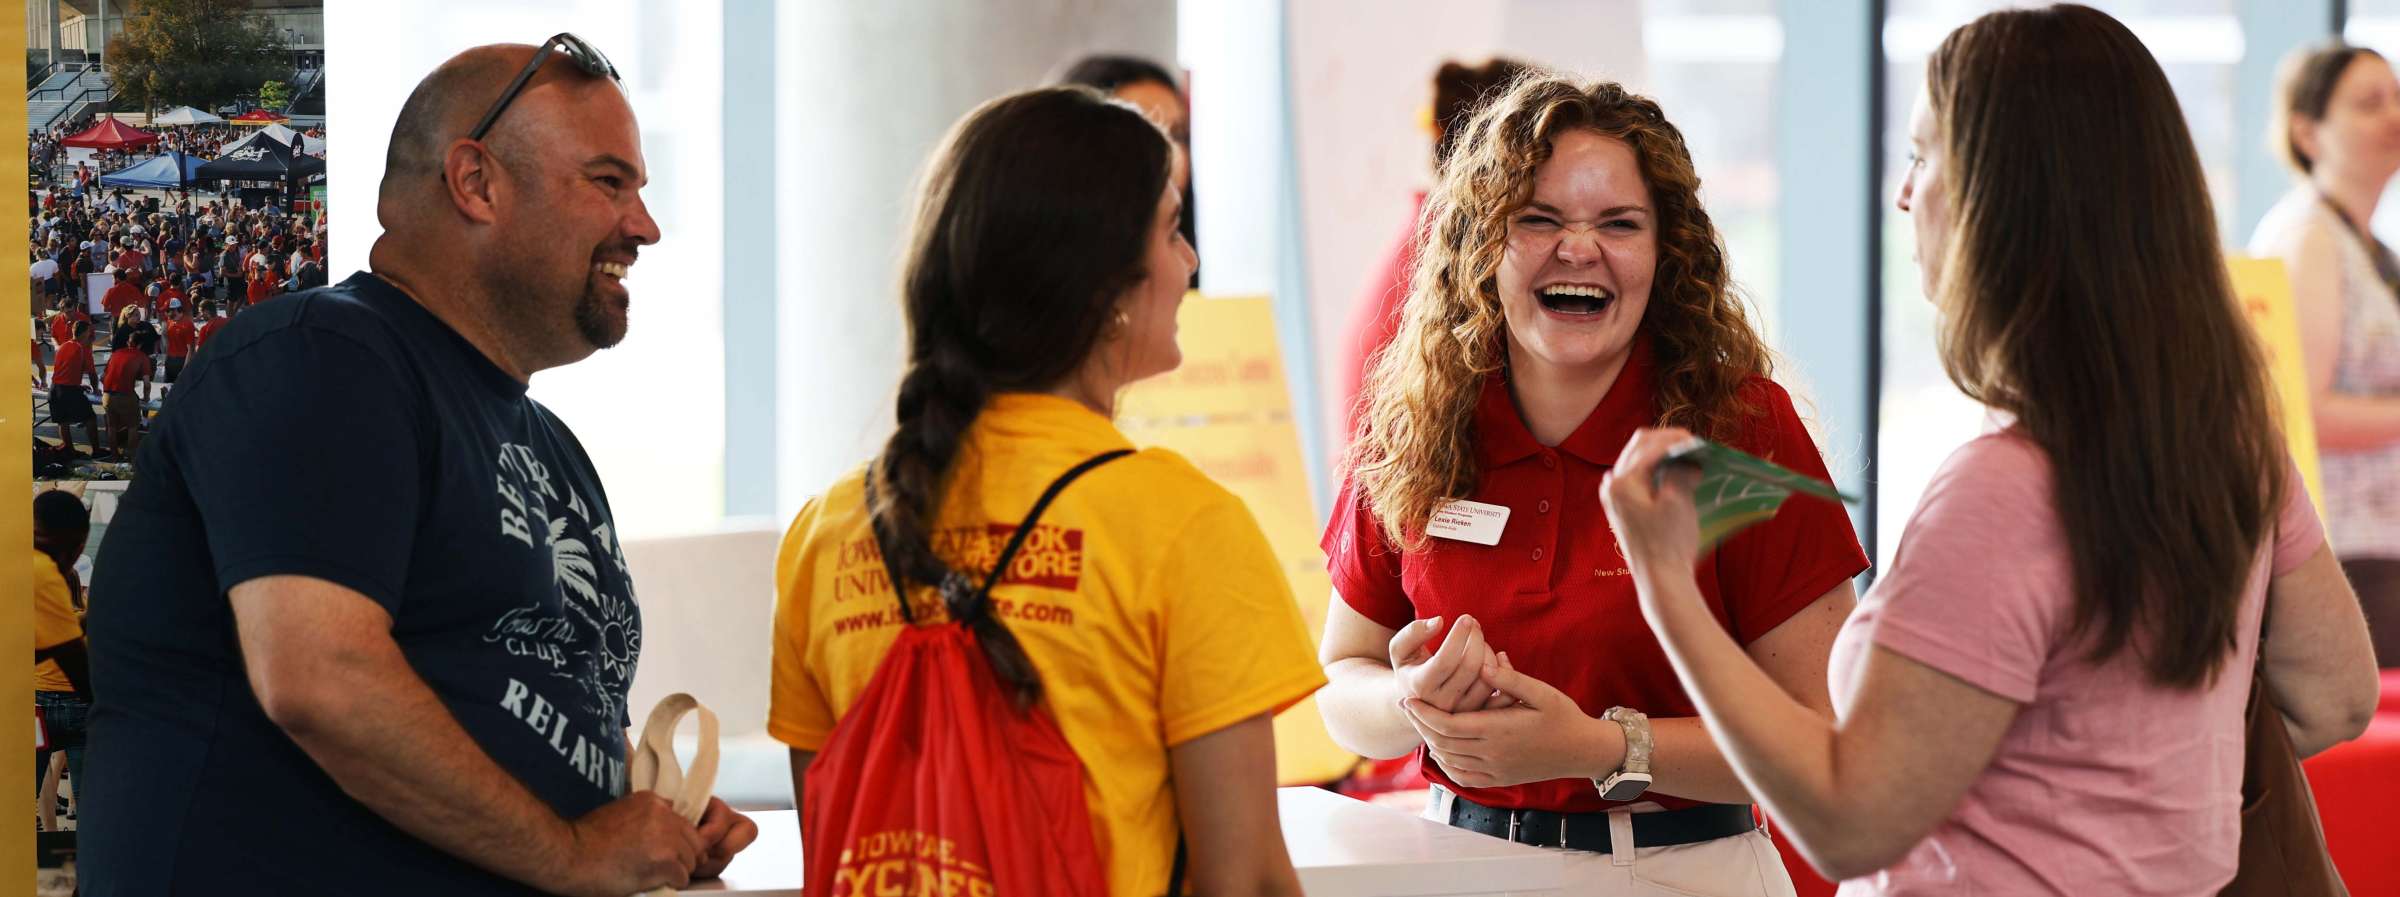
(1146, 597)
(54, 621)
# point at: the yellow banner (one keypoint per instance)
(1229, 410)
(2266, 296)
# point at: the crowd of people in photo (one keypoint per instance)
(180, 264)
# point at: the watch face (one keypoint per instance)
(1625, 786)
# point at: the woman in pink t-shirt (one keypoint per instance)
(2045, 692)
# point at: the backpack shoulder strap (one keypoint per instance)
(1017, 540)
(1182, 858)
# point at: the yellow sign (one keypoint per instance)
(1227, 409)
(2266, 297)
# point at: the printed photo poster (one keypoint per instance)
(1228, 408)
(159, 208)
(2265, 292)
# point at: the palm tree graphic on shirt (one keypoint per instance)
(571, 562)
(616, 642)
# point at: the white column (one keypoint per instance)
(863, 93)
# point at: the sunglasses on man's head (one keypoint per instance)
(576, 49)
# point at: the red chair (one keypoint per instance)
(1805, 880)
(2391, 691)
(2357, 783)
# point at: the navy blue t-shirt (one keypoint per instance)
(349, 435)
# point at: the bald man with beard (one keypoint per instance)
(369, 629)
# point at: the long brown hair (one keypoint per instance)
(1033, 219)
(2083, 291)
(2304, 89)
(1416, 442)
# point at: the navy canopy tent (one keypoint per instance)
(262, 160)
(167, 171)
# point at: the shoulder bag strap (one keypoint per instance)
(1016, 540)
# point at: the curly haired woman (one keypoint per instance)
(1570, 291)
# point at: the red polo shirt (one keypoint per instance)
(124, 293)
(128, 367)
(1558, 598)
(74, 365)
(181, 337)
(62, 328)
(208, 329)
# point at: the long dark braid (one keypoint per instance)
(1034, 219)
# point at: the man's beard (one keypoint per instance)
(592, 319)
(527, 304)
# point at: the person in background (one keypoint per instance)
(171, 294)
(2045, 693)
(62, 320)
(62, 676)
(126, 388)
(1043, 276)
(1155, 91)
(70, 370)
(261, 277)
(211, 321)
(1458, 90)
(1570, 289)
(2338, 127)
(41, 369)
(132, 321)
(231, 288)
(182, 338)
(125, 293)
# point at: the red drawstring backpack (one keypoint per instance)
(936, 783)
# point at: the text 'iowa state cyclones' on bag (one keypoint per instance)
(936, 783)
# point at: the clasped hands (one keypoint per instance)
(1487, 724)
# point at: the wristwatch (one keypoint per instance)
(1629, 781)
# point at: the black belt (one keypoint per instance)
(1589, 831)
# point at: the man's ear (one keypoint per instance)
(467, 181)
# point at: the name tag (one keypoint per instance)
(1468, 521)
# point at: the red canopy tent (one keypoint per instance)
(111, 134)
(257, 117)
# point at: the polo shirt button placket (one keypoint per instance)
(1549, 529)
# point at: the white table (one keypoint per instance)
(1341, 847)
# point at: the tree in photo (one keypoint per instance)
(202, 53)
(274, 95)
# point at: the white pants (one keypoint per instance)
(1744, 865)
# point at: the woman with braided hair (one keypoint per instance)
(1144, 612)
(1569, 289)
